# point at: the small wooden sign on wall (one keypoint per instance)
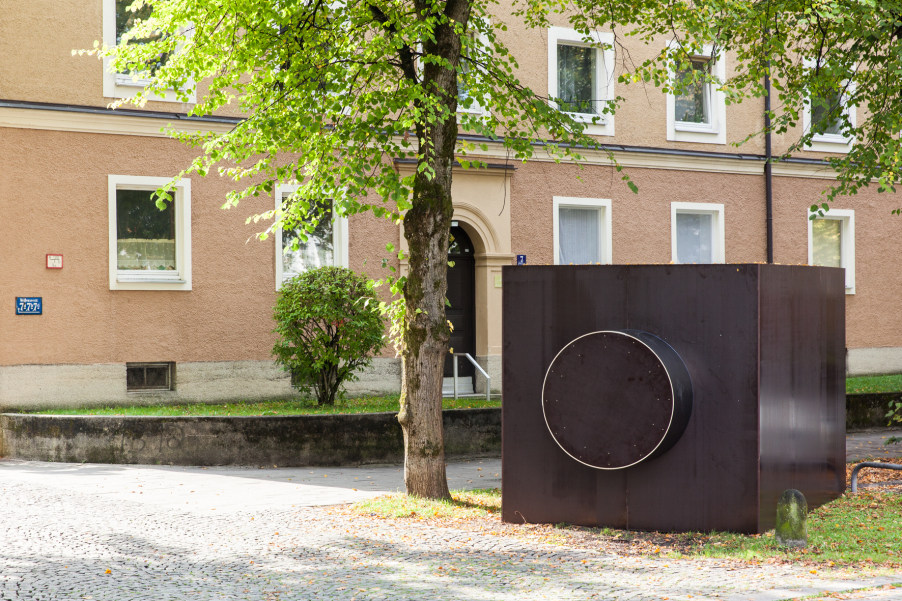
(29, 305)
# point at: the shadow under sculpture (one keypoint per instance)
(671, 397)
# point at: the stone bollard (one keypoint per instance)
(792, 517)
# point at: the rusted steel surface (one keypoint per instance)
(803, 363)
(712, 318)
(626, 388)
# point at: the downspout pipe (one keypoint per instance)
(768, 173)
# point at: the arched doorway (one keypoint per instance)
(462, 310)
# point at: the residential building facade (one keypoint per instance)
(175, 306)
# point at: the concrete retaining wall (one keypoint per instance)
(301, 440)
(868, 410)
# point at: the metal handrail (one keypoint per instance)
(488, 379)
(886, 466)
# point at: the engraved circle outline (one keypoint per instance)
(672, 397)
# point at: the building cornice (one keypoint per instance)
(130, 122)
(101, 120)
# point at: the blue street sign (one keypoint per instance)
(521, 259)
(28, 305)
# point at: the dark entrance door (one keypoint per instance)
(462, 296)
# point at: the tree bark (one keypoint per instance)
(426, 226)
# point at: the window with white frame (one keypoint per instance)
(824, 114)
(580, 75)
(697, 232)
(476, 43)
(831, 243)
(582, 231)
(118, 20)
(150, 248)
(698, 112)
(326, 245)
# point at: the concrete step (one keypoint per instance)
(464, 386)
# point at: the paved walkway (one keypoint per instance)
(165, 533)
(872, 445)
(236, 489)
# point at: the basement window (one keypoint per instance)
(149, 377)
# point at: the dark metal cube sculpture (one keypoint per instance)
(599, 429)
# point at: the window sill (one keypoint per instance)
(830, 139)
(828, 143)
(137, 280)
(586, 118)
(696, 129)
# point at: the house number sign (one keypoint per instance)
(28, 305)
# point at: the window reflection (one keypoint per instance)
(825, 112)
(316, 251)
(827, 242)
(692, 105)
(576, 79)
(145, 235)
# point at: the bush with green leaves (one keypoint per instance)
(329, 327)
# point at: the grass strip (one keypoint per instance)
(873, 384)
(373, 404)
(464, 504)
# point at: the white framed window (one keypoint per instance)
(149, 249)
(116, 21)
(697, 232)
(327, 245)
(580, 77)
(828, 112)
(831, 243)
(477, 41)
(699, 113)
(582, 231)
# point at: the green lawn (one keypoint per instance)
(294, 407)
(854, 529)
(869, 384)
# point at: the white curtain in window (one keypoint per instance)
(827, 242)
(579, 236)
(695, 234)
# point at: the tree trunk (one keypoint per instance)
(426, 226)
(426, 340)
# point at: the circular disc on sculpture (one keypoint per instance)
(615, 398)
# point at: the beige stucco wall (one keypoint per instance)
(873, 318)
(40, 68)
(53, 198)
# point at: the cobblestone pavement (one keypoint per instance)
(62, 536)
(871, 445)
(226, 489)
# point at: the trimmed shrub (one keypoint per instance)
(329, 326)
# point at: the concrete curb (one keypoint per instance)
(296, 440)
